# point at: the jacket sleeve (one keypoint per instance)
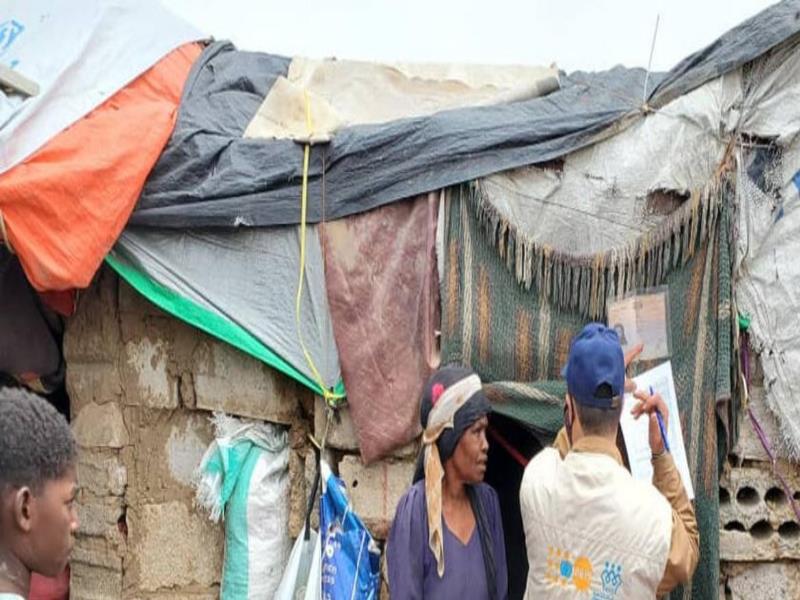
(684, 549)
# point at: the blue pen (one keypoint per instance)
(661, 427)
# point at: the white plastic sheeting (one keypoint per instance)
(79, 52)
(767, 283)
(598, 200)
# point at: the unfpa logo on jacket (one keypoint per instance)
(611, 582)
(566, 571)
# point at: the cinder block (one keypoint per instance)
(173, 547)
(756, 519)
(168, 450)
(145, 374)
(101, 472)
(92, 334)
(97, 382)
(341, 431)
(763, 580)
(131, 301)
(100, 426)
(748, 446)
(88, 582)
(375, 490)
(230, 381)
(99, 552)
(100, 516)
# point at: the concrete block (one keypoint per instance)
(100, 426)
(341, 431)
(131, 301)
(100, 516)
(99, 552)
(375, 490)
(172, 546)
(169, 448)
(764, 580)
(230, 381)
(97, 382)
(410, 450)
(92, 334)
(764, 544)
(756, 518)
(101, 472)
(748, 446)
(145, 375)
(88, 582)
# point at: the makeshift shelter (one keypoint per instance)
(323, 238)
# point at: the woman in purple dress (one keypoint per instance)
(446, 541)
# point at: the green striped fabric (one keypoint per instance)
(519, 342)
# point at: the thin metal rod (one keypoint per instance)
(650, 60)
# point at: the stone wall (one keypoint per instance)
(142, 387)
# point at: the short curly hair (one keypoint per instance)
(36, 444)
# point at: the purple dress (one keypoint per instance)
(412, 567)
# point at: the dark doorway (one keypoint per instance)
(511, 444)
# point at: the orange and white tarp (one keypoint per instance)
(64, 207)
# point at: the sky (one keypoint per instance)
(573, 34)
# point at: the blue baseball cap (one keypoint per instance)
(595, 360)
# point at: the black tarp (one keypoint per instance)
(209, 176)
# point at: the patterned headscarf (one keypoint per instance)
(452, 401)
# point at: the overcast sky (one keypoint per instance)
(575, 34)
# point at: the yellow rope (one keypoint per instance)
(331, 398)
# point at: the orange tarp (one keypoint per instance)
(66, 205)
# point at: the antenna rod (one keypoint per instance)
(650, 61)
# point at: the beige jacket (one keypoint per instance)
(593, 529)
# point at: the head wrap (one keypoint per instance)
(451, 403)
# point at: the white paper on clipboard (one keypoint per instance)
(636, 432)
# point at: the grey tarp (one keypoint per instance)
(240, 286)
(210, 176)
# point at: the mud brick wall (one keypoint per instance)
(142, 387)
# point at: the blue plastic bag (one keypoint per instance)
(350, 557)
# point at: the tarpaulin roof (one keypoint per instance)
(210, 175)
(64, 206)
(79, 53)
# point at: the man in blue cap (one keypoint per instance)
(590, 528)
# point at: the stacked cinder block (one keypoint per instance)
(759, 531)
(142, 387)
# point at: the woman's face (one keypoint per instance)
(471, 455)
